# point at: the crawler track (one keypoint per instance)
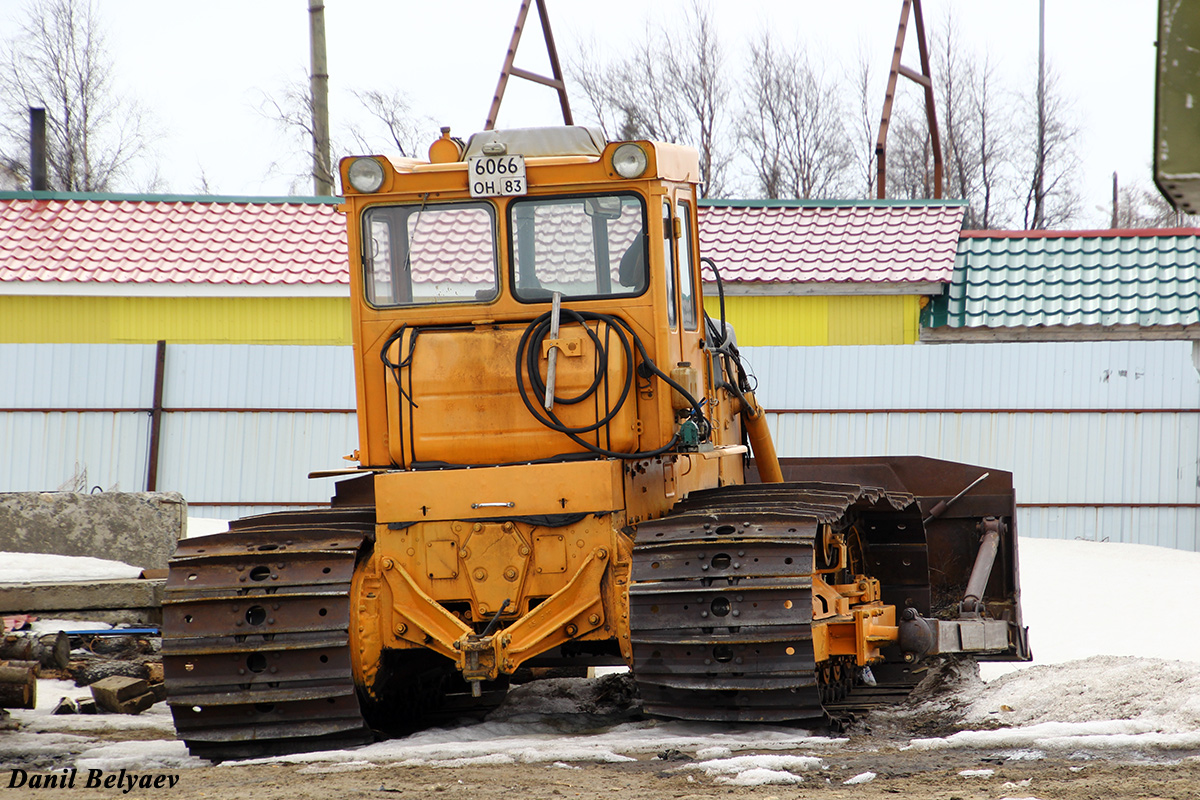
(721, 603)
(256, 647)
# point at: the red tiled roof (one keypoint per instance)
(155, 241)
(280, 243)
(828, 242)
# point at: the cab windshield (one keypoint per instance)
(593, 246)
(430, 253)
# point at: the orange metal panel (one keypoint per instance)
(467, 408)
(454, 494)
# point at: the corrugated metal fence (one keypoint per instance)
(241, 425)
(1103, 438)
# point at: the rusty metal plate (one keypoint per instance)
(260, 571)
(724, 560)
(781, 601)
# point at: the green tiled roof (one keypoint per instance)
(1095, 278)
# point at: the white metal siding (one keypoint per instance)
(216, 447)
(1102, 438)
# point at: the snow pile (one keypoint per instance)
(757, 770)
(758, 776)
(41, 568)
(1164, 694)
(1074, 610)
(203, 526)
(865, 777)
(1098, 704)
(139, 756)
(545, 743)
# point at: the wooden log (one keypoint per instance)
(18, 687)
(51, 650)
(33, 665)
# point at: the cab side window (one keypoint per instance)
(668, 259)
(687, 269)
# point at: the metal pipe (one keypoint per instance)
(755, 420)
(37, 150)
(552, 357)
(989, 545)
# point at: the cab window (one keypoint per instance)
(581, 246)
(687, 269)
(668, 259)
(429, 253)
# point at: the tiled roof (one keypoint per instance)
(1085, 278)
(113, 239)
(171, 240)
(842, 242)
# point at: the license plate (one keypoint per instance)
(496, 176)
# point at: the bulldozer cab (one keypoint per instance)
(477, 270)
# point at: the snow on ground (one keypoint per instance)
(1076, 604)
(1109, 680)
(203, 526)
(40, 567)
(545, 743)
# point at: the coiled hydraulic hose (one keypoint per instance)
(528, 372)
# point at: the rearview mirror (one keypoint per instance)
(603, 207)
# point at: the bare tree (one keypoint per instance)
(910, 151)
(993, 143)
(393, 123)
(793, 125)
(864, 131)
(953, 75)
(696, 66)
(393, 118)
(671, 88)
(1052, 198)
(60, 62)
(291, 109)
(1139, 207)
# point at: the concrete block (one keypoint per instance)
(111, 693)
(139, 528)
(123, 600)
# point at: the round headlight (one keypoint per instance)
(365, 175)
(629, 160)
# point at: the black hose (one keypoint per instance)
(528, 353)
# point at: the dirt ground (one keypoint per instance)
(876, 744)
(904, 774)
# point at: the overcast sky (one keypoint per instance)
(202, 69)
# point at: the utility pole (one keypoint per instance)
(1039, 173)
(319, 88)
(1116, 203)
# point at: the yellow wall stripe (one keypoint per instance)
(194, 320)
(814, 320)
(759, 321)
